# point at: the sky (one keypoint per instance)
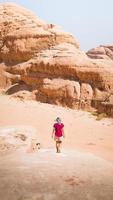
(90, 21)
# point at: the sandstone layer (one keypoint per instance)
(47, 62)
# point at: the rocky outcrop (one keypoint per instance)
(14, 137)
(22, 35)
(43, 60)
(101, 52)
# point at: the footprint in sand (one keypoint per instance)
(72, 181)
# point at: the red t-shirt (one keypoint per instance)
(58, 129)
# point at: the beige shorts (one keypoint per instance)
(57, 139)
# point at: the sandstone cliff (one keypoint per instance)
(46, 61)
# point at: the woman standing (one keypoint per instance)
(58, 133)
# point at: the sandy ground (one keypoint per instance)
(84, 169)
(46, 175)
(83, 132)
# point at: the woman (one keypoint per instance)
(58, 133)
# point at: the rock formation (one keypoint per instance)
(46, 61)
(14, 137)
(101, 52)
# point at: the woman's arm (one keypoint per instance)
(63, 133)
(53, 132)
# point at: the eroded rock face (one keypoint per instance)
(23, 34)
(46, 61)
(101, 52)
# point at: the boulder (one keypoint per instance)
(14, 137)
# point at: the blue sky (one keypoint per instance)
(90, 21)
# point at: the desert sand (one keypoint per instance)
(83, 170)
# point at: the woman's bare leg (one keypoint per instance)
(60, 144)
(57, 146)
